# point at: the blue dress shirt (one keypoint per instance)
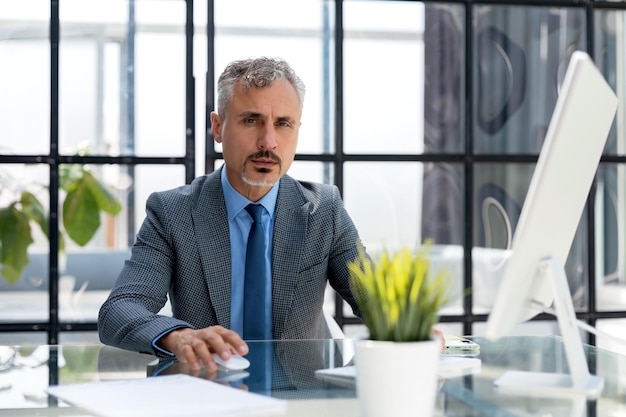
(239, 222)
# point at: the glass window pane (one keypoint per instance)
(131, 186)
(393, 205)
(122, 81)
(443, 222)
(383, 112)
(78, 95)
(611, 334)
(320, 172)
(91, 271)
(499, 193)
(160, 91)
(610, 241)
(520, 58)
(86, 281)
(25, 78)
(444, 78)
(23, 339)
(200, 64)
(77, 183)
(16, 179)
(26, 299)
(443, 203)
(300, 34)
(148, 179)
(385, 202)
(609, 57)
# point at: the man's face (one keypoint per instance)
(259, 135)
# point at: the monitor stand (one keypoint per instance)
(579, 380)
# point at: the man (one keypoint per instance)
(192, 244)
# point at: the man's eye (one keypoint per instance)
(249, 120)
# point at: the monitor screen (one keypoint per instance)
(556, 198)
(557, 194)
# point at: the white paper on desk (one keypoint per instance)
(164, 396)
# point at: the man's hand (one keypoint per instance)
(442, 338)
(194, 347)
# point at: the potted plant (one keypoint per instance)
(400, 297)
(85, 197)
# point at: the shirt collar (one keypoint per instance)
(236, 202)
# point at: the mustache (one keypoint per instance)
(265, 154)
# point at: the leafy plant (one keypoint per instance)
(399, 297)
(85, 198)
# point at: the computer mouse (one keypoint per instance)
(235, 363)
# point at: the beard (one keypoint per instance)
(257, 183)
(263, 182)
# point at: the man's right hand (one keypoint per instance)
(195, 347)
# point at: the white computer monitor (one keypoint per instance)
(534, 275)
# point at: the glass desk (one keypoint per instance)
(25, 377)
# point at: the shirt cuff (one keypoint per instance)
(159, 350)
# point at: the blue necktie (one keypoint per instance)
(257, 324)
(255, 303)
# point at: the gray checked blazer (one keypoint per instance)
(183, 250)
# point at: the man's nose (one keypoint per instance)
(267, 140)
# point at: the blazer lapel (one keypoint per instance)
(290, 225)
(212, 234)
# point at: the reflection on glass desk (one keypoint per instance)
(26, 372)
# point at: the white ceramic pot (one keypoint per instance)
(397, 378)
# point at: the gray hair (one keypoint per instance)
(258, 73)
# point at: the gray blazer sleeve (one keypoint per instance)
(182, 250)
(128, 319)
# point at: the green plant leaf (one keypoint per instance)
(81, 216)
(86, 196)
(106, 200)
(32, 208)
(15, 237)
(69, 174)
(399, 295)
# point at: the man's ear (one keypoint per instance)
(216, 127)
